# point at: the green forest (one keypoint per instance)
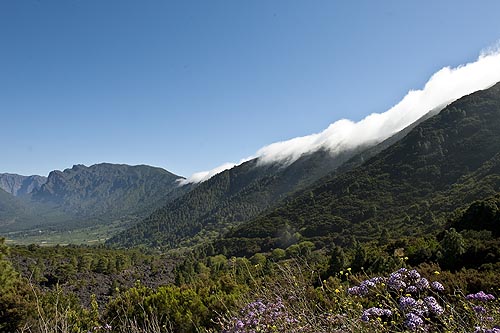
(302, 287)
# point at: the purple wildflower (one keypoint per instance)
(377, 312)
(437, 286)
(395, 281)
(415, 306)
(364, 287)
(402, 270)
(411, 290)
(258, 314)
(479, 329)
(480, 296)
(420, 308)
(413, 321)
(479, 309)
(377, 279)
(407, 302)
(358, 291)
(368, 284)
(433, 305)
(422, 284)
(414, 275)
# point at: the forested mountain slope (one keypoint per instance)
(94, 195)
(445, 162)
(230, 198)
(107, 189)
(237, 195)
(18, 213)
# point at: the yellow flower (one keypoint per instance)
(436, 272)
(337, 291)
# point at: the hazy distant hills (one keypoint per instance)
(20, 213)
(444, 163)
(85, 195)
(107, 189)
(10, 207)
(18, 185)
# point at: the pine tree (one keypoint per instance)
(453, 246)
(14, 294)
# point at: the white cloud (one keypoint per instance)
(200, 177)
(444, 87)
(491, 50)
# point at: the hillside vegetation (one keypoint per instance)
(227, 199)
(102, 199)
(238, 195)
(408, 189)
(447, 283)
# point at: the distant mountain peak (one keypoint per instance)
(79, 196)
(19, 185)
(106, 188)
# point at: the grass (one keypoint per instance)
(92, 235)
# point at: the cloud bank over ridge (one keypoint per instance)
(444, 87)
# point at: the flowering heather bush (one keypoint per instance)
(403, 301)
(480, 296)
(409, 302)
(406, 299)
(375, 312)
(262, 316)
(480, 301)
(289, 303)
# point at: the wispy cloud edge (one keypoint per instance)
(444, 87)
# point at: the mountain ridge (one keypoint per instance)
(408, 188)
(19, 185)
(98, 194)
(228, 198)
(193, 217)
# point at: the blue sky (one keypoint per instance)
(189, 85)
